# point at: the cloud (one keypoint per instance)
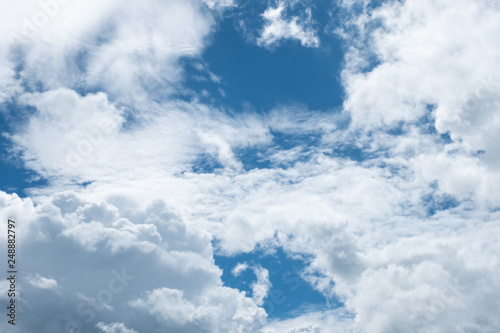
(394, 202)
(312, 323)
(114, 328)
(130, 51)
(220, 4)
(9, 84)
(362, 225)
(218, 309)
(421, 63)
(144, 251)
(261, 287)
(89, 135)
(238, 269)
(42, 282)
(169, 305)
(77, 125)
(278, 28)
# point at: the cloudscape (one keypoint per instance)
(267, 166)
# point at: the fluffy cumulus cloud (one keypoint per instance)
(66, 128)
(434, 61)
(219, 310)
(392, 202)
(129, 259)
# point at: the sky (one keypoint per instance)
(277, 166)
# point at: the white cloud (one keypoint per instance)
(169, 305)
(366, 226)
(219, 4)
(142, 55)
(121, 236)
(42, 282)
(149, 248)
(317, 322)
(217, 309)
(278, 28)
(128, 50)
(81, 138)
(425, 49)
(261, 287)
(114, 328)
(435, 60)
(9, 85)
(238, 269)
(76, 125)
(362, 224)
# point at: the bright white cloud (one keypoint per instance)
(261, 287)
(81, 137)
(76, 125)
(436, 60)
(425, 49)
(130, 51)
(278, 27)
(220, 309)
(238, 269)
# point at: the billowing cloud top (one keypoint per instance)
(151, 188)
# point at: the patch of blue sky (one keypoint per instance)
(350, 152)
(206, 163)
(252, 158)
(291, 140)
(364, 6)
(15, 178)
(399, 170)
(436, 201)
(289, 294)
(261, 157)
(427, 124)
(266, 78)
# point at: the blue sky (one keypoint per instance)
(265, 78)
(290, 294)
(244, 166)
